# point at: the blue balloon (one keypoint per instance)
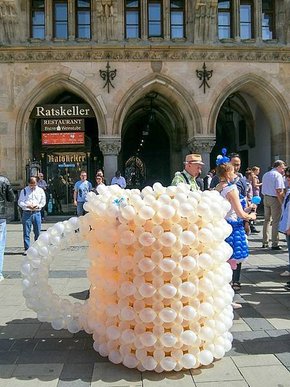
(256, 200)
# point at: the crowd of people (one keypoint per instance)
(226, 178)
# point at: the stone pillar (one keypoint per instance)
(203, 146)
(110, 147)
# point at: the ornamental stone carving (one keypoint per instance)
(106, 19)
(8, 21)
(220, 54)
(201, 144)
(205, 21)
(110, 146)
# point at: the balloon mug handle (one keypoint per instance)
(60, 312)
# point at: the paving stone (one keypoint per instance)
(42, 357)
(107, 374)
(19, 331)
(263, 346)
(9, 357)
(250, 335)
(280, 323)
(52, 370)
(29, 382)
(74, 370)
(231, 383)
(182, 379)
(255, 361)
(6, 370)
(85, 356)
(284, 358)
(281, 333)
(73, 383)
(6, 344)
(222, 370)
(266, 376)
(60, 344)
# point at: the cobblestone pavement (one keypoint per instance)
(33, 354)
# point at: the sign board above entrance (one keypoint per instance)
(62, 125)
(63, 111)
(62, 138)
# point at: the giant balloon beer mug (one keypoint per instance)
(160, 297)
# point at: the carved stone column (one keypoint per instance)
(203, 146)
(110, 147)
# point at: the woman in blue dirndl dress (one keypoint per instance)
(236, 216)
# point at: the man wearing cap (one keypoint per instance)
(273, 191)
(192, 168)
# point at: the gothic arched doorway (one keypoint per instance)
(146, 146)
(64, 142)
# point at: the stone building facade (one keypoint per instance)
(161, 78)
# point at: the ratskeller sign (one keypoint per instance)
(63, 111)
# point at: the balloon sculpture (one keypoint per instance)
(160, 297)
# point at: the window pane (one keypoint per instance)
(267, 5)
(154, 29)
(84, 32)
(38, 4)
(177, 4)
(83, 17)
(60, 11)
(84, 3)
(61, 30)
(177, 18)
(246, 32)
(177, 32)
(37, 17)
(154, 12)
(224, 32)
(38, 32)
(245, 13)
(224, 5)
(133, 4)
(224, 19)
(132, 18)
(132, 32)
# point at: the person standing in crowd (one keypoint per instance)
(208, 178)
(81, 189)
(99, 181)
(235, 217)
(273, 191)
(249, 179)
(284, 225)
(31, 201)
(6, 195)
(101, 173)
(119, 180)
(42, 184)
(255, 181)
(192, 169)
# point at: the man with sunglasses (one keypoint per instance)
(273, 190)
(192, 168)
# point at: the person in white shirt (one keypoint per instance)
(273, 191)
(31, 201)
(119, 180)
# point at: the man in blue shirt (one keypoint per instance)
(81, 189)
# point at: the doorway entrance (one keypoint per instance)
(146, 145)
(64, 147)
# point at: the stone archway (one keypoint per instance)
(43, 93)
(176, 113)
(269, 117)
